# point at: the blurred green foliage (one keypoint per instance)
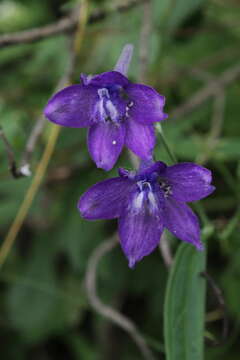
(44, 309)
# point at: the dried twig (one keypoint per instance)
(211, 89)
(47, 153)
(144, 40)
(217, 117)
(165, 250)
(24, 168)
(11, 157)
(219, 56)
(108, 312)
(216, 127)
(65, 25)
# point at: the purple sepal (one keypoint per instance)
(140, 139)
(105, 143)
(181, 221)
(140, 225)
(147, 104)
(189, 182)
(105, 199)
(72, 106)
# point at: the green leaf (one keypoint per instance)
(184, 306)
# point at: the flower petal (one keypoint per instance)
(189, 182)
(140, 138)
(148, 167)
(109, 78)
(105, 199)
(105, 143)
(147, 104)
(181, 221)
(72, 106)
(140, 227)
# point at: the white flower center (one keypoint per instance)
(138, 200)
(105, 107)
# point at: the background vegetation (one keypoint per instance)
(193, 53)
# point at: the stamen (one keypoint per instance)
(106, 109)
(152, 200)
(103, 93)
(166, 188)
(128, 108)
(137, 203)
(113, 113)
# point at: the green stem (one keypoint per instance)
(229, 179)
(165, 143)
(231, 226)
(201, 212)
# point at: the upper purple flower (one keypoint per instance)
(148, 201)
(116, 111)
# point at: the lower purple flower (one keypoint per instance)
(147, 201)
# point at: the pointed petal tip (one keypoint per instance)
(199, 246)
(104, 166)
(83, 209)
(212, 188)
(164, 116)
(131, 262)
(47, 110)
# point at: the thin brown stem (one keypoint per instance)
(64, 25)
(216, 127)
(16, 173)
(145, 34)
(108, 312)
(209, 90)
(165, 250)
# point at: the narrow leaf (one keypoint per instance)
(185, 305)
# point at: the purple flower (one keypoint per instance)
(147, 201)
(116, 111)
